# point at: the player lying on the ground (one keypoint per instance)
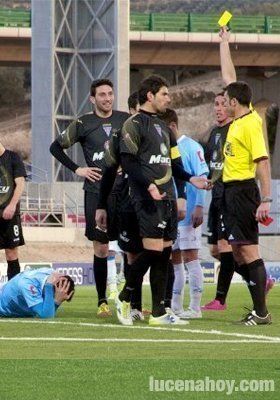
(35, 293)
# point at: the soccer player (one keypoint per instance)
(220, 248)
(93, 131)
(12, 180)
(244, 205)
(149, 155)
(189, 229)
(35, 293)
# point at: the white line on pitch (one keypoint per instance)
(113, 326)
(122, 340)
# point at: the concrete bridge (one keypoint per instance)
(164, 48)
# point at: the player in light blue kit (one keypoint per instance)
(35, 293)
(185, 249)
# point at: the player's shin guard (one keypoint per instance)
(195, 283)
(100, 276)
(13, 268)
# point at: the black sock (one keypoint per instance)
(225, 276)
(158, 280)
(13, 268)
(243, 271)
(136, 296)
(126, 266)
(257, 284)
(100, 276)
(169, 286)
(135, 274)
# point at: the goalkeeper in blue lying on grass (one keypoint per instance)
(35, 293)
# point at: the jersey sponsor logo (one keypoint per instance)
(107, 128)
(4, 189)
(98, 156)
(216, 165)
(159, 159)
(158, 129)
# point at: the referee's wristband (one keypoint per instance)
(266, 199)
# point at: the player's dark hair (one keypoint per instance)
(151, 84)
(240, 91)
(99, 82)
(133, 100)
(169, 116)
(71, 286)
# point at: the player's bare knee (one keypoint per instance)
(11, 254)
(101, 250)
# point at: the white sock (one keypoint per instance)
(112, 273)
(178, 287)
(195, 283)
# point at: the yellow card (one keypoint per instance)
(225, 18)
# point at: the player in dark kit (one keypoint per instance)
(149, 155)
(93, 131)
(12, 179)
(220, 248)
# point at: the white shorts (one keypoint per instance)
(113, 246)
(188, 238)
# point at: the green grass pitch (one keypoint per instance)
(78, 356)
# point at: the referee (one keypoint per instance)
(244, 205)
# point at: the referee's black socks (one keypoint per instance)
(225, 276)
(257, 283)
(13, 268)
(100, 276)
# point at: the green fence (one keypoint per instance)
(168, 22)
(202, 23)
(15, 18)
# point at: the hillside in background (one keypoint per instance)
(237, 7)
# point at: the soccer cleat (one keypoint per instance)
(269, 285)
(104, 311)
(137, 315)
(253, 319)
(188, 314)
(123, 312)
(214, 305)
(166, 319)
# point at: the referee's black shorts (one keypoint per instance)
(92, 232)
(240, 203)
(157, 219)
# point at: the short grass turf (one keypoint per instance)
(57, 367)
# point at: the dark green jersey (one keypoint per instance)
(93, 133)
(146, 136)
(215, 159)
(11, 167)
